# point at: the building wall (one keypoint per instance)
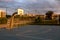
(2, 13)
(20, 11)
(55, 17)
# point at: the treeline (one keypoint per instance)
(36, 19)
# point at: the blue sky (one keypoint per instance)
(30, 6)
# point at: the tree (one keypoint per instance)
(8, 16)
(49, 15)
(38, 19)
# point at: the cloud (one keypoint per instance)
(31, 0)
(31, 5)
(6, 0)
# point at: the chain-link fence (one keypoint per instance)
(54, 20)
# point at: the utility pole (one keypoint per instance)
(6, 10)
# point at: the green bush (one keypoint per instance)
(50, 22)
(38, 19)
(17, 16)
(3, 20)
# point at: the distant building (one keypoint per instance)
(31, 14)
(55, 17)
(20, 12)
(2, 13)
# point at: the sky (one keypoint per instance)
(30, 6)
